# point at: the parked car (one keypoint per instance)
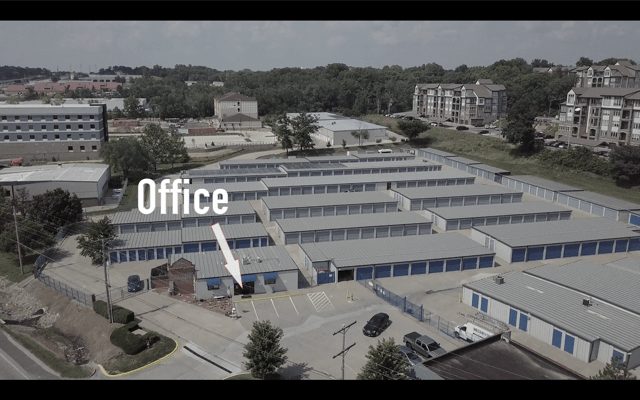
(434, 124)
(376, 325)
(423, 345)
(483, 132)
(490, 126)
(461, 128)
(409, 356)
(408, 117)
(471, 332)
(134, 284)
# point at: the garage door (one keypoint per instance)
(621, 245)
(341, 210)
(302, 213)
(296, 190)
(353, 234)
(452, 225)
(238, 196)
(535, 253)
(319, 190)
(505, 198)
(443, 202)
(453, 265)
(541, 217)
(209, 246)
(291, 238)
(367, 209)
(518, 255)
(491, 221)
(391, 207)
(430, 203)
(588, 249)
(478, 222)
(233, 220)
(457, 202)
(504, 220)
(383, 271)
(410, 230)
(486, 262)
(634, 244)
(585, 206)
(470, 201)
(307, 190)
(275, 214)
(634, 219)
(323, 236)
(418, 268)
(484, 200)
(470, 263)
(316, 212)
(378, 208)
(424, 229)
(128, 228)
(191, 247)
(332, 189)
(307, 237)
(354, 209)
(597, 210)
(553, 216)
(517, 219)
(364, 273)
(415, 205)
(496, 199)
(605, 247)
(243, 244)
(397, 231)
(436, 266)
(248, 219)
(289, 213)
(401, 270)
(370, 187)
(554, 252)
(516, 198)
(358, 187)
(571, 250)
(611, 214)
(465, 224)
(575, 203)
(368, 233)
(382, 232)
(337, 235)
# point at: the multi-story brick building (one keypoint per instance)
(609, 114)
(41, 132)
(470, 104)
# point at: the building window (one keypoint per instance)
(91, 117)
(43, 127)
(32, 137)
(6, 137)
(55, 127)
(92, 126)
(29, 117)
(44, 137)
(616, 113)
(55, 117)
(80, 117)
(18, 128)
(5, 128)
(30, 127)
(93, 136)
(68, 136)
(82, 149)
(19, 137)
(80, 126)
(68, 127)
(605, 122)
(67, 117)
(81, 135)
(4, 117)
(70, 148)
(17, 118)
(57, 136)
(94, 148)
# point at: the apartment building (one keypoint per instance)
(469, 104)
(621, 75)
(609, 114)
(43, 131)
(233, 103)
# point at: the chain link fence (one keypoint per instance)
(81, 297)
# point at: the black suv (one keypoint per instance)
(462, 128)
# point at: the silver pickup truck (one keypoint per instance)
(423, 345)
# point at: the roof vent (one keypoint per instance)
(499, 280)
(245, 260)
(586, 302)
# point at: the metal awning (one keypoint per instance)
(246, 278)
(213, 282)
(270, 275)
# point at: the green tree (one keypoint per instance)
(303, 127)
(176, 149)
(616, 370)
(584, 62)
(157, 144)
(385, 362)
(360, 135)
(32, 235)
(55, 209)
(263, 352)
(90, 243)
(132, 108)
(626, 165)
(344, 144)
(125, 155)
(411, 129)
(282, 131)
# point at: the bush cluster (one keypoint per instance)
(120, 315)
(129, 342)
(579, 159)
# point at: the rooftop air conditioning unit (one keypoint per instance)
(586, 302)
(499, 280)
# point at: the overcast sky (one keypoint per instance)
(264, 45)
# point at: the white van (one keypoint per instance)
(471, 332)
(385, 151)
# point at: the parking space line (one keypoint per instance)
(274, 307)
(294, 306)
(254, 310)
(320, 301)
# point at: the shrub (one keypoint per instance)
(120, 315)
(378, 140)
(129, 342)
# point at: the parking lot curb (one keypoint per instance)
(267, 298)
(141, 368)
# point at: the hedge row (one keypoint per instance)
(120, 315)
(129, 342)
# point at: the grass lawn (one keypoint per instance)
(10, 266)
(498, 153)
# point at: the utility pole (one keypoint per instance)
(15, 219)
(106, 282)
(344, 351)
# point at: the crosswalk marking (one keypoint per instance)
(320, 301)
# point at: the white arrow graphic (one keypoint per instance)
(232, 265)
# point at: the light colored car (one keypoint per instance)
(409, 356)
(434, 124)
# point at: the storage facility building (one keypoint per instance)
(236, 163)
(324, 205)
(435, 155)
(558, 316)
(199, 176)
(488, 172)
(538, 186)
(360, 183)
(264, 270)
(453, 218)
(454, 196)
(394, 256)
(238, 191)
(557, 239)
(382, 167)
(369, 157)
(351, 227)
(598, 204)
(460, 163)
(146, 246)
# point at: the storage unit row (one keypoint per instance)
(454, 196)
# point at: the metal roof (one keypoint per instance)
(266, 161)
(197, 173)
(135, 216)
(490, 168)
(353, 166)
(543, 183)
(557, 232)
(230, 187)
(563, 308)
(438, 152)
(312, 165)
(337, 125)
(498, 210)
(384, 155)
(454, 191)
(210, 264)
(464, 160)
(79, 172)
(366, 178)
(613, 283)
(142, 240)
(602, 200)
(327, 199)
(393, 250)
(234, 231)
(350, 221)
(332, 159)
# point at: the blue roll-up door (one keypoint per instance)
(401, 270)
(568, 343)
(436, 266)
(634, 219)
(168, 252)
(151, 254)
(383, 271)
(621, 245)
(523, 322)
(160, 254)
(513, 317)
(364, 273)
(132, 255)
(474, 300)
(418, 268)
(142, 255)
(589, 249)
(230, 243)
(634, 244)
(571, 250)
(264, 242)
(518, 255)
(556, 339)
(123, 256)
(191, 247)
(453, 265)
(484, 304)
(178, 250)
(470, 263)
(554, 252)
(243, 244)
(486, 262)
(605, 247)
(535, 253)
(617, 356)
(113, 256)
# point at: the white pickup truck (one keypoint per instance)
(471, 332)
